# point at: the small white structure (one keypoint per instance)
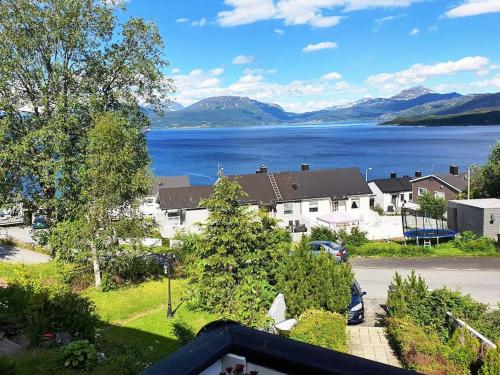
(391, 193)
(277, 313)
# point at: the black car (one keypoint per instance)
(338, 251)
(356, 313)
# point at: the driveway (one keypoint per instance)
(477, 276)
(18, 255)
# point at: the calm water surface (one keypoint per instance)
(385, 149)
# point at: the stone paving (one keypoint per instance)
(371, 343)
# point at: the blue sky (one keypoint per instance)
(311, 54)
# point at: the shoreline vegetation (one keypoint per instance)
(491, 118)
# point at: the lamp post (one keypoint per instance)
(366, 173)
(167, 260)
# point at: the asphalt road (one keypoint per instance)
(478, 276)
(18, 255)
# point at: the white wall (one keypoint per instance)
(384, 200)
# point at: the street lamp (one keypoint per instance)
(167, 261)
(366, 173)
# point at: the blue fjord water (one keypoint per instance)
(197, 152)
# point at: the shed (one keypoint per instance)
(481, 216)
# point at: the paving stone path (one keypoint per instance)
(371, 343)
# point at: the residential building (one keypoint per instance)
(298, 199)
(391, 193)
(481, 216)
(149, 206)
(446, 185)
(224, 344)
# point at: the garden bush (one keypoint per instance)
(79, 355)
(390, 249)
(470, 242)
(183, 331)
(314, 281)
(491, 362)
(321, 328)
(351, 240)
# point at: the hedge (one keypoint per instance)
(321, 328)
(390, 249)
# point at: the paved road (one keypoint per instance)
(18, 255)
(479, 276)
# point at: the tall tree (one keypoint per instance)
(61, 63)
(485, 179)
(117, 173)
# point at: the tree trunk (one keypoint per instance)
(97, 267)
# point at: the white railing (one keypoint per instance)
(460, 323)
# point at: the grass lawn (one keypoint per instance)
(135, 330)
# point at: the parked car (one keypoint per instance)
(356, 313)
(338, 251)
(40, 222)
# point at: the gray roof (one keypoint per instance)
(162, 182)
(393, 185)
(333, 183)
(479, 203)
(458, 181)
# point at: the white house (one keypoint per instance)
(391, 193)
(149, 206)
(299, 200)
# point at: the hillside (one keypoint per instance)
(463, 119)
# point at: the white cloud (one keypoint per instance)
(493, 82)
(332, 76)
(474, 8)
(196, 72)
(319, 46)
(176, 71)
(418, 73)
(317, 13)
(242, 60)
(279, 31)
(182, 20)
(201, 22)
(414, 31)
(217, 71)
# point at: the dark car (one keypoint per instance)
(40, 222)
(338, 251)
(356, 313)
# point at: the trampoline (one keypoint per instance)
(430, 233)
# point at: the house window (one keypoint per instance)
(313, 206)
(372, 202)
(355, 203)
(288, 208)
(439, 194)
(410, 197)
(402, 197)
(422, 191)
(335, 206)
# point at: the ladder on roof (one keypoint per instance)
(274, 185)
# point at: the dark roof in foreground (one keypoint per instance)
(221, 337)
(393, 185)
(332, 183)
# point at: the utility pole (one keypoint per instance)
(468, 183)
(366, 173)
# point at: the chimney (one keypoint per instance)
(418, 174)
(304, 167)
(393, 174)
(454, 169)
(263, 169)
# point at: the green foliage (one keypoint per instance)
(351, 240)
(47, 307)
(464, 349)
(485, 180)
(79, 354)
(314, 281)
(378, 209)
(391, 249)
(431, 206)
(470, 242)
(321, 328)
(491, 362)
(67, 243)
(183, 331)
(420, 348)
(236, 256)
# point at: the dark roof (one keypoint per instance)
(162, 182)
(393, 185)
(457, 182)
(183, 197)
(221, 337)
(333, 183)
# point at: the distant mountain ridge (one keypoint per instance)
(223, 111)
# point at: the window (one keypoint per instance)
(335, 206)
(439, 194)
(355, 203)
(422, 191)
(313, 206)
(410, 197)
(288, 208)
(402, 197)
(372, 202)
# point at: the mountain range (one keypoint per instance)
(413, 104)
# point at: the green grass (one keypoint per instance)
(135, 330)
(44, 272)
